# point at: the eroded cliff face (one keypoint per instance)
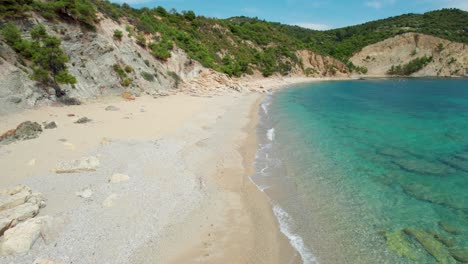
(316, 65)
(92, 56)
(449, 58)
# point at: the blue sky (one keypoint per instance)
(316, 14)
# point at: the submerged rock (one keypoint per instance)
(463, 156)
(434, 195)
(448, 228)
(424, 167)
(392, 152)
(456, 163)
(432, 245)
(460, 255)
(24, 131)
(81, 165)
(448, 242)
(397, 242)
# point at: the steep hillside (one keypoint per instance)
(70, 50)
(447, 58)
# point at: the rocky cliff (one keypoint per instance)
(448, 58)
(92, 56)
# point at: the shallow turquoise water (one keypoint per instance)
(369, 171)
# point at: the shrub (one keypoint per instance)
(126, 82)
(141, 40)
(162, 49)
(176, 78)
(147, 62)
(411, 67)
(147, 76)
(49, 59)
(129, 30)
(118, 34)
(119, 70)
(128, 69)
(65, 77)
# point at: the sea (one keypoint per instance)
(368, 171)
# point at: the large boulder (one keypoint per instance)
(10, 198)
(24, 131)
(9, 218)
(19, 239)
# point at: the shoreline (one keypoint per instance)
(227, 216)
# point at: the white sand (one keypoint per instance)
(188, 198)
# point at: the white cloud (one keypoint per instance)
(377, 4)
(250, 10)
(313, 26)
(374, 4)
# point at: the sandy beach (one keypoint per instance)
(187, 198)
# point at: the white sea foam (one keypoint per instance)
(266, 103)
(295, 240)
(271, 134)
(265, 107)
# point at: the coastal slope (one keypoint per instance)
(448, 58)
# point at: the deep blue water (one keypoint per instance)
(371, 171)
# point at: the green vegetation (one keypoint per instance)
(147, 76)
(118, 34)
(240, 45)
(412, 66)
(122, 73)
(44, 52)
(176, 78)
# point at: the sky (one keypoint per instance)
(315, 14)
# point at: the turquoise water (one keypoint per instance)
(371, 171)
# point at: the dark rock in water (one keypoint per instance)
(398, 242)
(456, 163)
(112, 108)
(424, 167)
(25, 130)
(83, 120)
(448, 227)
(448, 242)
(69, 100)
(429, 194)
(463, 156)
(431, 245)
(391, 152)
(460, 255)
(50, 125)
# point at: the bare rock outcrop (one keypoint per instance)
(316, 65)
(24, 131)
(449, 58)
(19, 226)
(84, 164)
